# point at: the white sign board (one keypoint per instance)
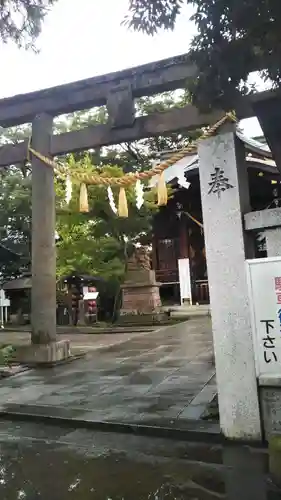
(264, 281)
(184, 279)
(4, 302)
(91, 295)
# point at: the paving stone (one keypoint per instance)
(148, 378)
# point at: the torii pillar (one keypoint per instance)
(44, 346)
(225, 198)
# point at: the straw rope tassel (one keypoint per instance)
(84, 204)
(162, 191)
(122, 203)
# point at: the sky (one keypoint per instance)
(84, 38)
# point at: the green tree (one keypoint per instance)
(21, 20)
(234, 38)
(15, 215)
(15, 220)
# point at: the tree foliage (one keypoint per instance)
(234, 38)
(21, 20)
(15, 221)
(151, 15)
(15, 214)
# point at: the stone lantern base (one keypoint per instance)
(141, 299)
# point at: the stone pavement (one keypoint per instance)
(161, 378)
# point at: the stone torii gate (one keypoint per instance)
(222, 211)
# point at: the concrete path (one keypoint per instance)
(161, 378)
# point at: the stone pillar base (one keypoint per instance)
(270, 399)
(40, 354)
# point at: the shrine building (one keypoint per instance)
(178, 230)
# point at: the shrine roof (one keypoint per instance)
(258, 154)
(18, 284)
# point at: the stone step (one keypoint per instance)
(190, 313)
(184, 311)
